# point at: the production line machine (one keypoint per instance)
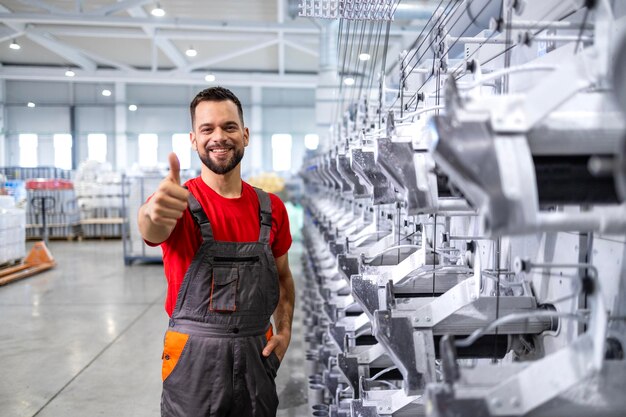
(465, 225)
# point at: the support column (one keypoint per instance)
(121, 139)
(255, 149)
(326, 93)
(3, 145)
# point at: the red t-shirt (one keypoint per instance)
(232, 220)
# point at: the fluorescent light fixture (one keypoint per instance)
(69, 73)
(209, 78)
(132, 107)
(14, 45)
(364, 57)
(31, 104)
(348, 81)
(191, 52)
(106, 93)
(157, 11)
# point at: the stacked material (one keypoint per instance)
(52, 201)
(12, 231)
(99, 196)
(139, 189)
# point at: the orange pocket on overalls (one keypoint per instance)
(172, 349)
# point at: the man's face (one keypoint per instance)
(219, 136)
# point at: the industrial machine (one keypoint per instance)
(465, 220)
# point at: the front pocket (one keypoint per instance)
(224, 289)
(172, 350)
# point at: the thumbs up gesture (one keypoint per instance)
(169, 202)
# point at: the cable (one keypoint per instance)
(506, 71)
(370, 258)
(384, 371)
(535, 33)
(472, 22)
(589, 4)
(445, 270)
(418, 36)
(471, 339)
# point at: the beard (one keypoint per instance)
(224, 167)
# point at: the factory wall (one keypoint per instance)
(80, 109)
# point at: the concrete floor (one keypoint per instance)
(85, 339)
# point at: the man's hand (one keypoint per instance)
(277, 344)
(158, 217)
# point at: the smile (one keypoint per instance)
(219, 150)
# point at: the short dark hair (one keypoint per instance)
(214, 94)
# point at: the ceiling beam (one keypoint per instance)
(164, 45)
(157, 23)
(181, 34)
(294, 45)
(243, 79)
(280, 11)
(43, 5)
(63, 50)
(118, 7)
(181, 23)
(52, 44)
(9, 34)
(230, 55)
(105, 61)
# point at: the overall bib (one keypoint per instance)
(212, 360)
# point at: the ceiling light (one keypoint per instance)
(364, 57)
(209, 78)
(69, 73)
(14, 45)
(191, 52)
(132, 107)
(106, 93)
(31, 104)
(348, 81)
(158, 11)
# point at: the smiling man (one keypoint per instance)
(225, 249)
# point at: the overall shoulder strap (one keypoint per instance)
(265, 215)
(200, 217)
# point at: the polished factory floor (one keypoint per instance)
(85, 339)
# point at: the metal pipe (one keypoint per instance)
(538, 24)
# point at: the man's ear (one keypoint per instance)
(192, 139)
(246, 136)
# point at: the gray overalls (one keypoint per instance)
(222, 312)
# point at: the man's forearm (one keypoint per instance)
(283, 316)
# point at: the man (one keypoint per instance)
(225, 258)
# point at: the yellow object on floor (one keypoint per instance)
(268, 181)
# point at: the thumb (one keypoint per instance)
(271, 345)
(174, 168)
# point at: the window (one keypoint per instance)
(97, 147)
(281, 152)
(182, 148)
(28, 150)
(148, 145)
(311, 141)
(63, 150)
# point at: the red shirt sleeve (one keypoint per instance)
(280, 227)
